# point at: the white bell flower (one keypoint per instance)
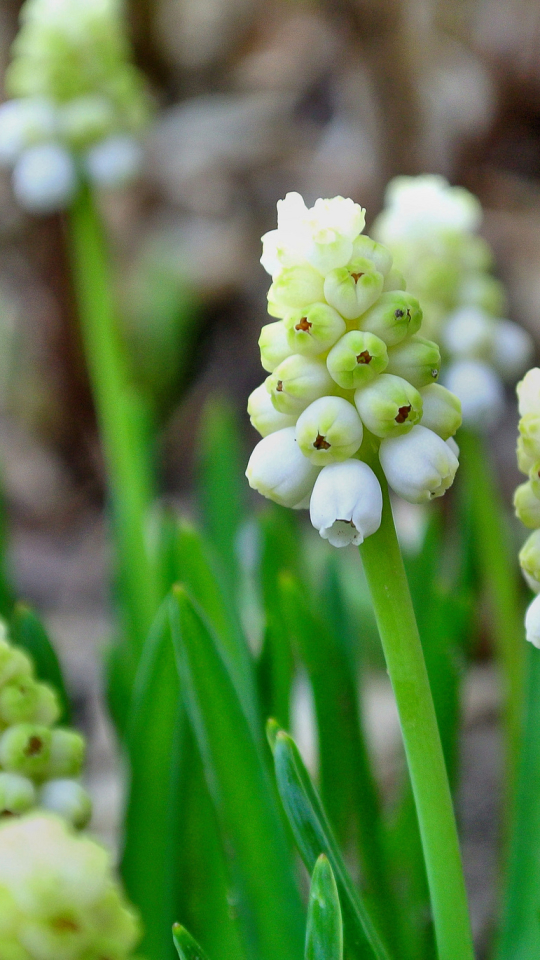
(44, 179)
(346, 503)
(23, 123)
(68, 799)
(278, 469)
(419, 206)
(532, 622)
(469, 332)
(419, 465)
(512, 350)
(441, 410)
(480, 390)
(296, 382)
(114, 162)
(329, 429)
(263, 414)
(528, 391)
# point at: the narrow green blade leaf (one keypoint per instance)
(269, 904)
(28, 632)
(186, 946)
(313, 836)
(324, 932)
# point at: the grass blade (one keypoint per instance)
(187, 948)
(324, 932)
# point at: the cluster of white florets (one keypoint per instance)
(39, 761)
(78, 104)
(527, 495)
(346, 366)
(59, 899)
(431, 229)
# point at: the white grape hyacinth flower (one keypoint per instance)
(480, 390)
(346, 503)
(419, 465)
(417, 206)
(528, 392)
(532, 622)
(114, 162)
(23, 123)
(512, 350)
(278, 469)
(45, 179)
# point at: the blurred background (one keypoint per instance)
(253, 98)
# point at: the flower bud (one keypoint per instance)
(395, 316)
(346, 503)
(513, 349)
(529, 439)
(14, 663)
(263, 414)
(25, 748)
(369, 249)
(526, 457)
(527, 505)
(18, 701)
(415, 359)
(44, 179)
(114, 162)
(296, 382)
(419, 466)
(17, 794)
(24, 123)
(314, 330)
(452, 445)
(273, 345)
(528, 391)
(356, 359)
(86, 119)
(529, 559)
(68, 799)
(394, 280)
(278, 469)
(532, 623)
(389, 406)
(354, 288)
(295, 288)
(480, 391)
(534, 478)
(47, 710)
(469, 333)
(441, 410)
(66, 754)
(329, 430)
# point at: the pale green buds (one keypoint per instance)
(314, 330)
(18, 701)
(415, 359)
(295, 288)
(395, 316)
(296, 382)
(66, 753)
(68, 799)
(369, 249)
(263, 414)
(351, 290)
(527, 505)
(17, 794)
(529, 558)
(529, 439)
(273, 345)
(47, 709)
(26, 748)
(394, 280)
(86, 119)
(356, 359)
(441, 410)
(389, 406)
(526, 458)
(329, 430)
(528, 392)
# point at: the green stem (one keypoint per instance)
(120, 416)
(389, 589)
(499, 574)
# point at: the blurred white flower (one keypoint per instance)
(114, 162)
(418, 206)
(45, 178)
(480, 391)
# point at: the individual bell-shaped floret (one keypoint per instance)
(419, 466)
(295, 288)
(45, 178)
(512, 350)
(329, 430)
(356, 359)
(480, 391)
(296, 382)
(528, 392)
(389, 405)
(66, 755)
(369, 249)
(68, 799)
(26, 748)
(469, 333)
(346, 503)
(48, 708)
(529, 559)
(14, 663)
(527, 453)
(393, 317)
(17, 794)
(114, 162)
(314, 330)
(351, 290)
(263, 414)
(441, 410)
(18, 701)
(274, 345)
(532, 623)
(278, 469)
(24, 123)
(415, 359)
(527, 505)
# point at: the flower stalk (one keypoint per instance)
(385, 573)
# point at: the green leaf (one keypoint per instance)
(324, 931)
(186, 946)
(313, 836)
(27, 631)
(268, 900)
